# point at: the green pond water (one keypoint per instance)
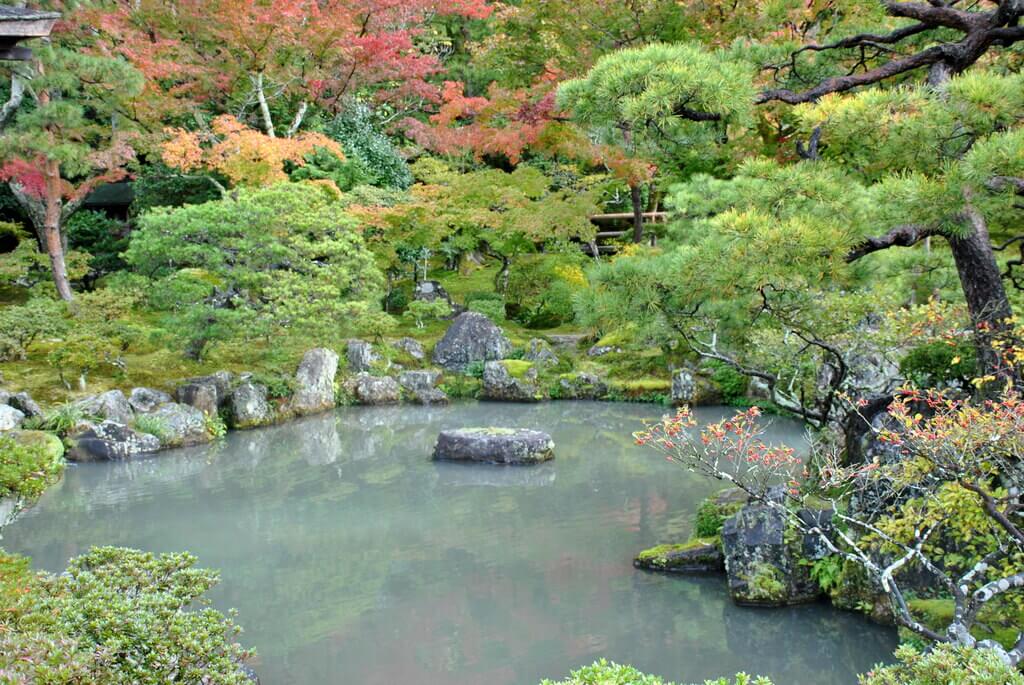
(353, 558)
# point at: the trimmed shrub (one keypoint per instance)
(116, 617)
(939, 363)
(945, 665)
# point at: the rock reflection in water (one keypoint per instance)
(353, 557)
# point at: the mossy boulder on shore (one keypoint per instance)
(700, 555)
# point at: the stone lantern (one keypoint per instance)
(18, 24)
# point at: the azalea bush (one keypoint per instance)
(116, 617)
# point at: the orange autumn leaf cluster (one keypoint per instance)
(243, 155)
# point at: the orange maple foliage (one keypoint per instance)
(242, 154)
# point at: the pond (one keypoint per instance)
(354, 558)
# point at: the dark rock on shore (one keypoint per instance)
(495, 445)
(108, 441)
(763, 567)
(181, 425)
(697, 556)
(472, 337)
(582, 386)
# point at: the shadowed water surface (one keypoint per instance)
(353, 558)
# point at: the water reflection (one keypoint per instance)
(354, 558)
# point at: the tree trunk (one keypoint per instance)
(51, 230)
(987, 303)
(638, 213)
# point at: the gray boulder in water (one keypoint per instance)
(315, 382)
(495, 445)
(108, 441)
(421, 387)
(377, 390)
(181, 425)
(247, 406)
(472, 337)
(763, 567)
(582, 386)
(206, 393)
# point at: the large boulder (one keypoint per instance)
(696, 556)
(540, 352)
(411, 347)
(10, 418)
(472, 337)
(765, 568)
(694, 389)
(377, 390)
(314, 381)
(581, 386)
(414, 381)
(206, 393)
(247, 406)
(421, 387)
(361, 356)
(110, 440)
(145, 400)
(24, 403)
(495, 445)
(111, 406)
(511, 380)
(181, 425)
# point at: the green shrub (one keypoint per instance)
(422, 311)
(60, 420)
(945, 665)
(278, 386)
(22, 325)
(99, 235)
(159, 186)
(541, 289)
(116, 617)
(154, 425)
(711, 517)
(323, 165)
(492, 309)
(29, 463)
(936, 363)
(730, 382)
(610, 673)
(475, 369)
(354, 128)
(482, 295)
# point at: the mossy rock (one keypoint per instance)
(517, 368)
(700, 555)
(52, 445)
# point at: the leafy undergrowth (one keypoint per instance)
(1002, 623)
(29, 462)
(610, 673)
(117, 616)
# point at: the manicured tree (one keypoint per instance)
(705, 87)
(815, 70)
(66, 138)
(258, 262)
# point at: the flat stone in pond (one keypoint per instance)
(495, 445)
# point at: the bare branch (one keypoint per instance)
(904, 235)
